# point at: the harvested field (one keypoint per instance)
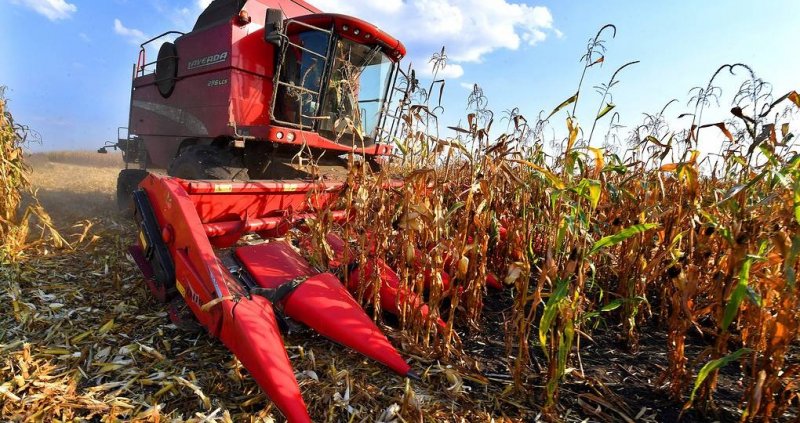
(75, 191)
(80, 158)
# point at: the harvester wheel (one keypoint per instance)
(207, 162)
(127, 181)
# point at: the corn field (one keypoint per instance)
(539, 248)
(13, 175)
(14, 229)
(591, 242)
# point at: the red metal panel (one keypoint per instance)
(291, 8)
(237, 201)
(216, 229)
(198, 106)
(320, 302)
(251, 332)
(274, 263)
(253, 65)
(220, 207)
(196, 266)
(259, 187)
(392, 297)
(324, 304)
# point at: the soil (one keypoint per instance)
(632, 382)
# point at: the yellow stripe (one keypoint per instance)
(180, 287)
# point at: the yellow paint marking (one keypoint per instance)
(180, 287)
(143, 241)
(223, 188)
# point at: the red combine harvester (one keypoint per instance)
(254, 114)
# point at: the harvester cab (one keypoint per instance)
(253, 115)
(331, 83)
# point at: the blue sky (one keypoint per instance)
(67, 63)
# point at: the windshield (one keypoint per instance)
(355, 93)
(300, 79)
(346, 107)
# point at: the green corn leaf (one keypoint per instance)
(564, 104)
(401, 146)
(793, 164)
(788, 263)
(732, 192)
(740, 160)
(620, 236)
(754, 296)
(454, 208)
(562, 232)
(591, 189)
(780, 178)
(714, 365)
(608, 108)
(550, 312)
(796, 200)
(741, 290)
(613, 305)
(550, 176)
(565, 346)
(769, 155)
(616, 168)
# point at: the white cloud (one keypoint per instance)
(469, 29)
(202, 4)
(84, 37)
(133, 35)
(451, 71)
(51, 9)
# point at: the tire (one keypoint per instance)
(207, 162)
(166, 69)
(127, 181)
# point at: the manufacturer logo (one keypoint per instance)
(208, 60)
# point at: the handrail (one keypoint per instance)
(159, 36)
(141, 61)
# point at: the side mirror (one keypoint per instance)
(273, 26)
(102, 150)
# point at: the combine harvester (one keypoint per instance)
(253, 115)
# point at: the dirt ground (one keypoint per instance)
(85, 340)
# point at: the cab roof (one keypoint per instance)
(356, 30)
